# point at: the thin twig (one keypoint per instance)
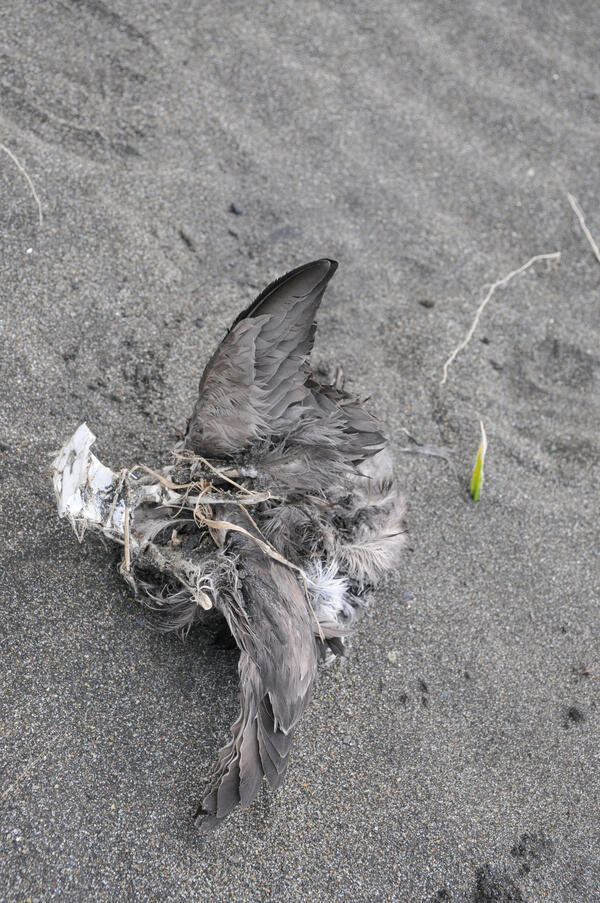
(579, 214)
(555, 255)
(303, 575)
(219, 498)
(263, 544)
(164, 481)
(251, 498)
(126, 552)
(204, 519)
(26, 174)
(223, 475)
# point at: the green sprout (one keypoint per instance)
(477, 478)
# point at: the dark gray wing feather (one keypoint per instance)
(257, 377)
(269, 617)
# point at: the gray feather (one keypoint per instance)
(376, 513)
(271, 623)
(257, 377)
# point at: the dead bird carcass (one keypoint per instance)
(279, 511)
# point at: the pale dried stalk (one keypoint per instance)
(579, 214)
(126, 551)
(555, 255)
(22, 169)
(263, 544)
(266, 547)
(251, 498)
(203, 517)
(164, 481)
(223, 475)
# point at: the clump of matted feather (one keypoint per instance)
(173, 525)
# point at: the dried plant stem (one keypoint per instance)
(251, 498)
(200, 505)
(164, 481)
(555, 255)
(126, 551)
(22, 169)
(579, 214)
(223, 475)
(202, 518)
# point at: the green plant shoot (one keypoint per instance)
(477, 478)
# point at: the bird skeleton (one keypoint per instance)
(279, 513)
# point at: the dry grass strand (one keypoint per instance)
(554, 255)
(22, 169)
(579, 214)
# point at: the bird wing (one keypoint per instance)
(269, 617)
(254, 384)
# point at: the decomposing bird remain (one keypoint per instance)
(279, 512)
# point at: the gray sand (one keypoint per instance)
(454, 755)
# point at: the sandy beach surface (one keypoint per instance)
(453, 755)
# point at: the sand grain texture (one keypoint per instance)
(454, 755)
